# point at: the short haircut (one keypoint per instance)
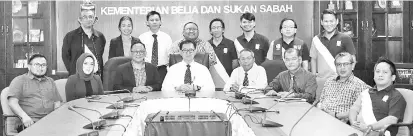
(329, 11)
(123, 19)
(290, 50)
(389, 62)
(248, 16)
(344, 54)
(217, 19)
(247, 50)
(190, 23)
(151, 13)
(134, 42)
(187, 42)
(286, 19)
(37, 55)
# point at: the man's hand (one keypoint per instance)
(285, 94)
(234, 88)
(139, 89)
(27, 121)
(271, 93)
(360, 126)
(185, 87)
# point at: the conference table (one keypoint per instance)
(63, 121)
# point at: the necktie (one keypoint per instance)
(246, 80)
(187, 76)
(154, 57)
(292, 83)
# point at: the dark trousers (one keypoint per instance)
(162, 70)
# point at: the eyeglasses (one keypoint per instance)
(191, 29)
(343, 64)
(292, 59)
(216, 27)
(188, 50)
(288, 27)
(248, 58)
(87, 17)
(138, 52)
(38, 65)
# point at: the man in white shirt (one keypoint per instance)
(249, 75)
(157, 43)
(188, 75)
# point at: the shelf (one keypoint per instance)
(35, 16)
(348, 12)
(389, 12)
(27, 43)
(385, 38)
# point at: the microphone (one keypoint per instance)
(74, 106)
(313, 105)
(217, 115)
(114, 115)
(240, 95)
(93, 125)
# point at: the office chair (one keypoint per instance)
(201, 58)
(273, 68)
(110, 70)
(9, 118)
(60, 85)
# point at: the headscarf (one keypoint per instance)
(79, 67)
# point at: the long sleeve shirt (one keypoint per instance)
(164, 45)
(256, 76)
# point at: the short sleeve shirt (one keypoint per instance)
(36, 95)
(226, 53)
(259, 44)
(297, 44)
(338, 43)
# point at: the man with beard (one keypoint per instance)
(326, 46)
(84, 39)
(33, 95)
(295, 82)
(258, 43)
(223, 47)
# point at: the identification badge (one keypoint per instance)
(385, 98)
(277, 46)
(298, 47)
(338, 43)
(257, 46)
(225, 50)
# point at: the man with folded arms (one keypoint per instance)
(295, 82)
(249, 75)
(339, 93)
(33, 95)
(188, 75)
(381, 105)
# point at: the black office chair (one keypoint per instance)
(201, 58)
(9, 118)
(273, 68)
(110, 70)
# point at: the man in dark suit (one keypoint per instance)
(137, 75)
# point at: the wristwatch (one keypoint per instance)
(198, 88)
(336, 114)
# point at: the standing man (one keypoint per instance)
(258, 43)
(223, 47)
(326, 46)
(288, 28)
(84, 39)
(157, 43)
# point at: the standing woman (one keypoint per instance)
(121, 45)
(84, 83)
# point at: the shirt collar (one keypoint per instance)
(251, 69)
(221, 42)
(254, 36)
(298, 72)
(349, 78)
(31, 76)
(387, 89)
(94, 32)
(323, 34)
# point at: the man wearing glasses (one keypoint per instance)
(339, 93)
(84, 39)
(188, 75)
(288, 28)
(249, 75)
(295, 82)
(33, 95)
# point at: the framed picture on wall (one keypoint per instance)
(349, 27)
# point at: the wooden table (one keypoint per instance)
(63, 122)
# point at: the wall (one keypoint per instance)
(267, 22)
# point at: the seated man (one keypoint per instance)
(188, 75)
(33, 95)
(295, 82)
(339, 93)
(381, 105)
(249, 75)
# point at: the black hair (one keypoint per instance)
(286, 19)
(248, 16)
(329, 11)
(190, 23)
(133, 42)
(290, 50)
(217, 19)
(247, 50)
(389, 62)
(187, 42)
(151, 13)
(37, 55)
(123, 19)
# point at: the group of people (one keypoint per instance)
(331, 58)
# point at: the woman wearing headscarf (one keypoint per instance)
(84, 83)
(121, 45)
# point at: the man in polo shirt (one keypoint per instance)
(33, 95)
(327, 45)
(223, 47)
(339, 93)
(381, 105)
(157, 43)
(258, 43)
(295, 82)
(288, 28)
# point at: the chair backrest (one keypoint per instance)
(408, 96)
(61, 84)
(201, 58)
(110, 70)
(9, 122)
(4, 102)
(273, 68)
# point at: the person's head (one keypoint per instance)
(87, 16)
(247, 22)
(288, 27)
(217, 27)
(154, 20)
(125, 25)
(329, 20)
(246, 59)
(385, 72)
(37, 65)
(85, 65)
(343, 64)
(293, 59)
(138, 51)
(190, 31)
(187, 50)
